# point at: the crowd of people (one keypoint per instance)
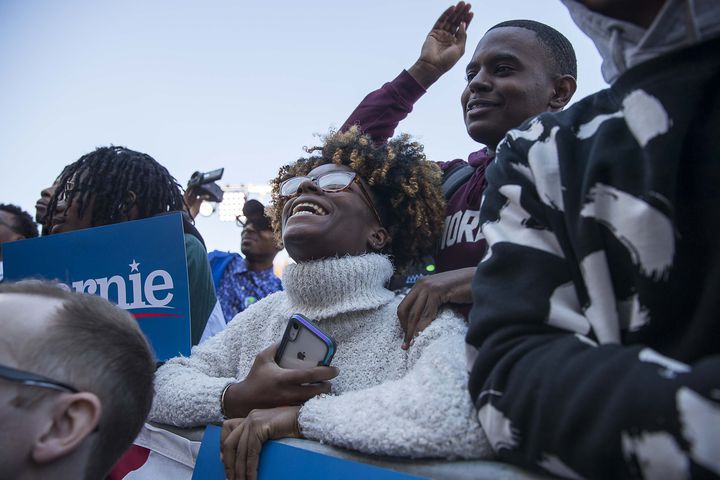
(571, 328)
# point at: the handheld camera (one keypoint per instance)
(205, 184)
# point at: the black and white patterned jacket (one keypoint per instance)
(594, 343)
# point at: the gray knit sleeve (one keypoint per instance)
(188, 389)
(427, 413)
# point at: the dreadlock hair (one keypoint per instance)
(107, 175)
(24, 223)
(405, 186)
(557, 48)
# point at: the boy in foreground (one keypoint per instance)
(594, 342)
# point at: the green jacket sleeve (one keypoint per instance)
(202, 291)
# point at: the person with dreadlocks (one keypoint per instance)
(345, 215)
(41, 205)
(115, 184)
(520, 68)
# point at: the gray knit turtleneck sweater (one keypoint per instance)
(385, 400)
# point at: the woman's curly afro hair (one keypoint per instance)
(405, 185)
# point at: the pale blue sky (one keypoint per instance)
(200, 85)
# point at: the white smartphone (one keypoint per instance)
(304, 345)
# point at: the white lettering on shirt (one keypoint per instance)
(462, 226)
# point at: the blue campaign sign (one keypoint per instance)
(278, 460)
(139, 265)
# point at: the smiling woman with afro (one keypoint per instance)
(405, 187)
(383, 400)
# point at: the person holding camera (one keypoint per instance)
(239, 280)
(115, 184)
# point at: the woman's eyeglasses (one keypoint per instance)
(34, 380)
(330, 182)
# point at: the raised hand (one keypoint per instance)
(194, 198)
(267, 385)
(444, 45)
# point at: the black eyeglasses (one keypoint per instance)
(71, 188)
(259, 223)
(34, 380)
(330, 182)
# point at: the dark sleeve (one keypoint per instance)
(381, 111)
(202, 291)
(445, 166)
(548, 396)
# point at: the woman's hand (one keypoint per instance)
(444, 45)
(267, 385)
(241, 439)
(420, 307)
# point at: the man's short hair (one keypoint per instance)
(96, 347)
(558, 48)
(24, 223)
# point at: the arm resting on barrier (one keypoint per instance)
(426, 413)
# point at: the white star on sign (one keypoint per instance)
(134, 266)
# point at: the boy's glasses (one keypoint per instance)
(330, 182)
(34, 380)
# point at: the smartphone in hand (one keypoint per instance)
(304, 345)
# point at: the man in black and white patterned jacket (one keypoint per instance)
(594, 346)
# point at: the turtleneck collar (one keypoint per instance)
(622, 45)
(324, 288)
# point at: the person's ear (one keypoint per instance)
(74, 417)
(564, 89)
(378, 239)
(129, 206)
(15, 237)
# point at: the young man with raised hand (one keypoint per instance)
(520, 68)
(594, 341)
